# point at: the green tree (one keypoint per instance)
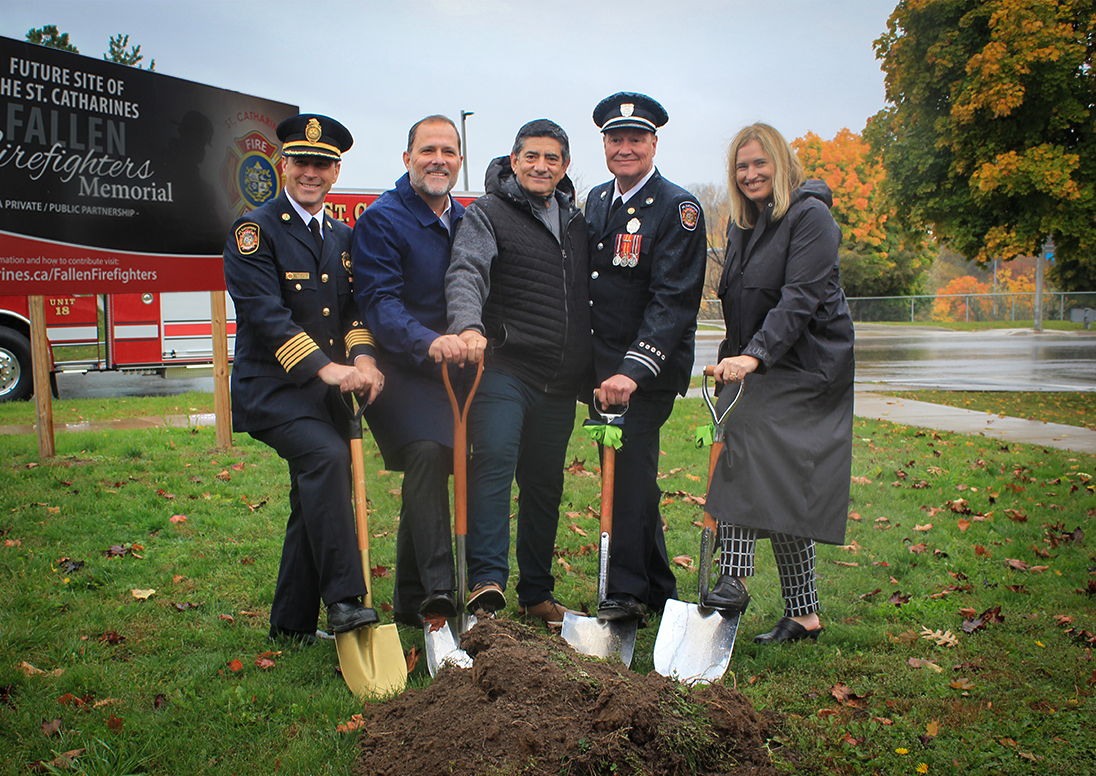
(878, 256)
(49, 35)
(989, 138)
(119, 54)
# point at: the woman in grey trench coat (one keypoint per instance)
(784, 472)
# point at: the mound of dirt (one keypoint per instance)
(532, 705)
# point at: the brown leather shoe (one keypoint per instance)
(550, 612)
(486, 597)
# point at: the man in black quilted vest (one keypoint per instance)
(516, 293)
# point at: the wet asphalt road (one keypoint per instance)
(887, 357)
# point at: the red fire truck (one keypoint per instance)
(140, 333)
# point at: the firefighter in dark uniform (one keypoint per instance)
(300, 349)
(647, 258)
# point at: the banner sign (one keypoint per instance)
(115, 179)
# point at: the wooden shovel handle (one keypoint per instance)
(460, 448)
(713, 456)
(608, 477)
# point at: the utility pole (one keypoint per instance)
(1041, 260)
(464, 114)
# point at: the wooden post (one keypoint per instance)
(222, 405)
(39, 356)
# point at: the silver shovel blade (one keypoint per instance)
(442, 647)
(694, 645)
(598, 638)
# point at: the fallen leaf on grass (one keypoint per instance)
(235, 666)
(918, 548)
(378, 571)
(51, 727)
(855, 516)
(237, 467)
(223, 475)
(1019, 565)
(413, 658)
(114, 724)
(962, 523)
(875, 592)
(925, 527)
(962, 683)
(932, 729)
(142, 593)
(68, 699)
(30, 670)
(944, 639)
(264, 663)
(846, 563)
(578, 468)
(1028, 756)
(897, 598)
(164, 494)
(685, 562)
(62, 761)
(1016, 515)
(917, 662)
(355, 722)
(578, 530)
(183, 606)
(861, 481)
(176, 519)
(846, 696)
(854, 547)
(111, 637)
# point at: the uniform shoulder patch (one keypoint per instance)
(690, 214)
(247, 238)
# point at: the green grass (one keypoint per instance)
(165, 700)
(1048, 325)
(74, 410)
(1071, 408)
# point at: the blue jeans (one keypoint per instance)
(516, 432)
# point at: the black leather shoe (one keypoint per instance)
(622, 608)
(300, 637)
(439, 605)
(410, 619)
(345, 616)
(728, 596)
(787, 630)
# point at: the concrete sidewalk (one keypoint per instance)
(876, 406)
(1003, 429)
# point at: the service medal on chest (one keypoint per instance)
(633, 226)
(627, 249)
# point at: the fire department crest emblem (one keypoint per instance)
(627, 109)
(249, 173)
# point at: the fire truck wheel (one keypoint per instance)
(16, 377)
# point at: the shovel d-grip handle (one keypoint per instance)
(460, 448)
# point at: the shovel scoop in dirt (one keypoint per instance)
(440, 636)
(694, 643)
(590, 635)
(371, 658)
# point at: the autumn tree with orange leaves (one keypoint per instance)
(989, 138)
(878, 256)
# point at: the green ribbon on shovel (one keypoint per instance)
(605, 434)
(704, 435)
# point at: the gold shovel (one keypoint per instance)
(371, 658)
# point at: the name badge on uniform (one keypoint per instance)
(297, 276)
(627, 250)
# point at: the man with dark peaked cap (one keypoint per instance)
(647, 257)
(300, 348)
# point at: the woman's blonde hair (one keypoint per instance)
(787, 173)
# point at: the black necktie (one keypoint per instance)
(314, 227)
(613, 208)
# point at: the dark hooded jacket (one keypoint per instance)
(787, 460)
(512, 280)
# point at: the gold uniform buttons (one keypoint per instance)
(326, 311)
(331, 342)
(323, 278)
(298, 286)
(600, 246)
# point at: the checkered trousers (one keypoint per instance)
(794, 561)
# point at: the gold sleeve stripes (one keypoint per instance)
(295, 350)
(356, 337)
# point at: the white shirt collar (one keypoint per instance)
(304, 214)
(627, 195)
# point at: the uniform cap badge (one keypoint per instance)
(627, 109)
(312, 131)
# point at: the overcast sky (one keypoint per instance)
(378, 66)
